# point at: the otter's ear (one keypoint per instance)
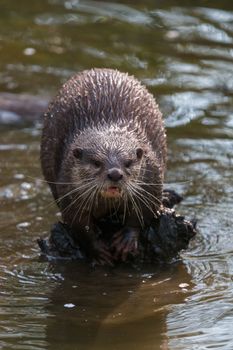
(139, 152)
(78, 153)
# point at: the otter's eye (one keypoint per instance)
(139, 152)
(78, 153)
(128, 163)
(96, 163)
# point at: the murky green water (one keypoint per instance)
(183, 51)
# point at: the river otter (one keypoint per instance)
(103, 152)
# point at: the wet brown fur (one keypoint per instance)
(105, 111)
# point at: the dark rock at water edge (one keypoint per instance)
(168, 234)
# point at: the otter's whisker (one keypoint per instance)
(85, 196)
(146, 201)
(141, 183)
(57, 201)
(136, 208)
(125, 204)
(148, 194)
(76, 189)
(55, 182)
(76, 198)
(92, 201)
(83, 205)
(84, 189)
(164, 183)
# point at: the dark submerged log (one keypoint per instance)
(21, 108)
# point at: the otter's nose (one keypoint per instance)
(115, 174)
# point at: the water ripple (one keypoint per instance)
(114, 10)
(184, 54)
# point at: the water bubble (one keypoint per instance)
(69, 305)
(183, 285)
(23, 225)
(8, 193)
(19, 176)
(26, 186)
(29, 51)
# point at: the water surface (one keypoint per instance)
(184, 54)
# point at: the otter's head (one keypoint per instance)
(115, 165)
(109, 160)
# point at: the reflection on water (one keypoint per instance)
(184, 54)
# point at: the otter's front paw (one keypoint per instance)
(125, 243)
(101, 254)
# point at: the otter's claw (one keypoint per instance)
(102, 255)
(125, 242)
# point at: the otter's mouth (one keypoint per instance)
(111, 192)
